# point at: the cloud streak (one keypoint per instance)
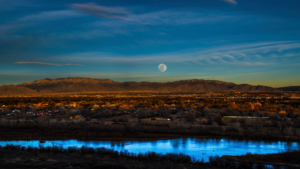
(256, 54)
(50, 15)
(231, 1)
(39, 63)
(102, 12)
(38, 19)
(180, 17)
(172, 17)
(69, 64)
(48, 64)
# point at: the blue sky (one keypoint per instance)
(240, 41)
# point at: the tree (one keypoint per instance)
(190, 117)
(259, 124)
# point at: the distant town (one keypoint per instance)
(283, 103)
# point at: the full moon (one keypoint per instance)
(162, 67)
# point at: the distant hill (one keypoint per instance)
(290, 88)
(88, 84)
(16, 90)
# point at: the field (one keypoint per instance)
(139, 117)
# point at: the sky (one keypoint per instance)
(255, 42)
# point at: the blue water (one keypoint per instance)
(195, 147)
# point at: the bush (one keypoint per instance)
(190, 117)
(152, 156)
(109, 166)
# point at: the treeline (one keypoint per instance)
(290, 156)
(150, 157)
(134, 128)
(271, 105)
(115, 123)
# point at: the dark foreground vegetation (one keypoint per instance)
(81, 129)
(56, 157)
(287, 158)
(148, 124)
(123, 115)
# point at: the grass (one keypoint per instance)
(86, 157)
(149, 156)
(289, 156)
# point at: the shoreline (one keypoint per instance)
(146, 139)
(233, 158)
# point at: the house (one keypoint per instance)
(16, 111)
(73, 105)
(38, 105)
(30, 113)
(96, 106)
(108, 123)
(126, 106)
(78, 117)
(282, 112)
(40, 113)
(49, 113)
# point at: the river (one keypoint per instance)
(199, 148)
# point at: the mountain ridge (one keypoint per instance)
(290, 88)
(84, 84)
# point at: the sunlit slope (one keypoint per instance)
(16, 90)
(184, 86)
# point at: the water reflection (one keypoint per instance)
(175, 143)
(195, 147)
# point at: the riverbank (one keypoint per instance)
(20, 134)
(56, 157)
(198, 148)
(289, 158)
(52, 129)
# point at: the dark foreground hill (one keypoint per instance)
(88, 84)
(290, 88)
(16, 90)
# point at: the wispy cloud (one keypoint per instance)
(47, 64)
(173, 17)
(12, 74)
(255, 54)
(179, 17)
(37, 19)
(114, 23)
(73, 64)
(101, 11)
(39, 63)
(50, 15)
(231, 1)
(12, 4)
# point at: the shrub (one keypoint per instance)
(152, 156)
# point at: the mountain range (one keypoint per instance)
(80, 84)
(290, 88)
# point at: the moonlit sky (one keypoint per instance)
(240, 41)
